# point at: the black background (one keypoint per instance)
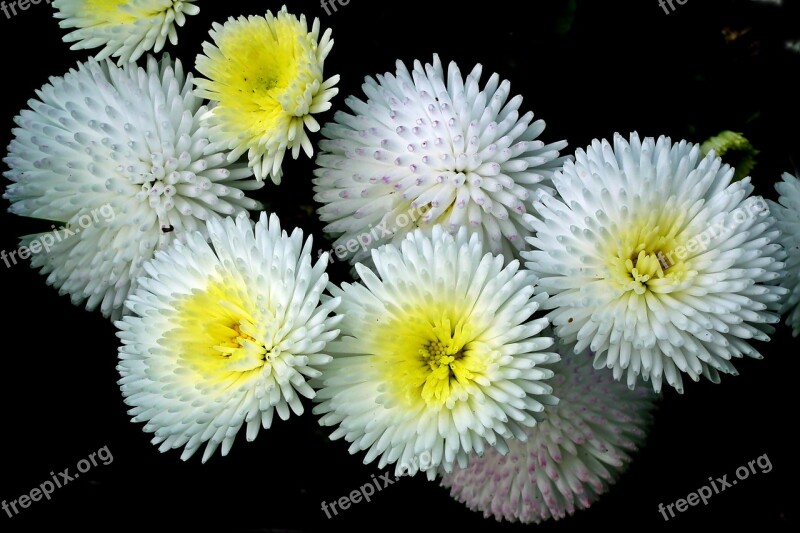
(589, 72)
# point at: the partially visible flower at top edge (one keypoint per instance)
(264, 77)
(125, 29)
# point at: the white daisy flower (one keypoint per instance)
(125, 29)
(787, 213)
(128, 140)
(437, 356)
(265, 77)
(427, 148)
(656, 261)
(224, 335)
(570, 458)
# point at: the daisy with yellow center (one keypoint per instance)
(656, 261)
(224, 335)
(438, 354)
(641, 257)
(125, 29)
(264, 75)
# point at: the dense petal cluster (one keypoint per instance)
(437, 354)
(656, 261)
(125, 29)
(265, 77)
(432, 147)
(125, 142)
(223, 335)
(787, 213)
(570, 458)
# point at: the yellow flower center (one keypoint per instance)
(111, 12)
(264, 75)
(443, 359)
(648, 256)
(217, 334)
(430, 363)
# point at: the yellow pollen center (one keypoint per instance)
(112, 12)
(265, 75)
(430, 362)
(236, 341)
(647, 256)
(646, 265)
(216, 332)
(438, 357)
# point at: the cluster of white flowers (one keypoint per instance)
(517, 332)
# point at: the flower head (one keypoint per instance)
(569, 459)
(437, 354)
(124, 28)
(126, 140)
(656, 261)
(224, 335)
(431, 147)
(787, 213)
(264, 75)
